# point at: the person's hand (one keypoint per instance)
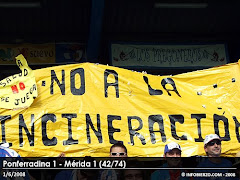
(61, 157)
(62, 154)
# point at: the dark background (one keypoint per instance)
(96, 23)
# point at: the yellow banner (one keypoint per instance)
(34, 53)
(82, 109)
(19, 90)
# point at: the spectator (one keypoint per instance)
(172, 154)
(213, 148)
(118, 150)
(212, 145)
(12, 155)
(5, 151)
(172, 150)
(133, 174)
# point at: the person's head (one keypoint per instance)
(172, 150)
(212, 145)
(118, 150)
(81, 175)
(133, 174)
(172, 153)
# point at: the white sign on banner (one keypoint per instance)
(190, 55)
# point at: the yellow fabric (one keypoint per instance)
(209, 94)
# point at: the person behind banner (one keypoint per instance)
(212, 145)
(117, 150)
(5, 151)
(172, 154)
(11, 155)
(213, 149)
(133, 174)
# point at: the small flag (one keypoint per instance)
(19, 90)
